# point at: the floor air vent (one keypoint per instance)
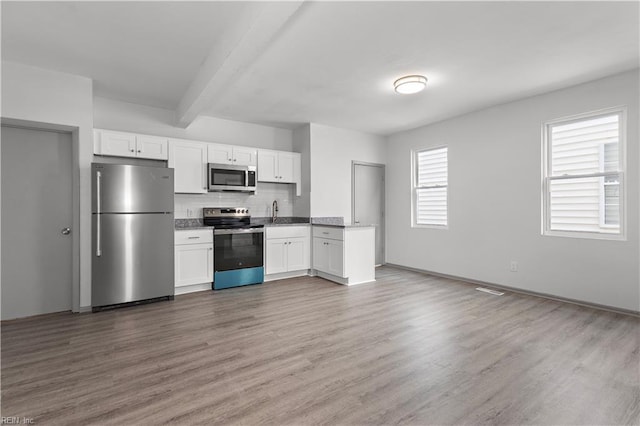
(488, 290)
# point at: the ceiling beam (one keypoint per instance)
(233, 54)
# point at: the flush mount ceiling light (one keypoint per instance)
(410, 84)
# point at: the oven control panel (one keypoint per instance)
(225, 212)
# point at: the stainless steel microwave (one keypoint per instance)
(225, 177)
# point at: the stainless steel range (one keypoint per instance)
(238, 247)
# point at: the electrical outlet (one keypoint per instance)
(514, 266)
(189, 212)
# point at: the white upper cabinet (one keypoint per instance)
(245, 156)
(236, 155)
(268, 166)
(278, 166)
(286, 166)
(120, 144)
(189, 161)
(220, 154)
(152, 147)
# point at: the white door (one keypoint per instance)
(321, 254)
(37, 206)
(276, 253)
(336, 258)
(368, 201)
(189, 161)
(220, 154)
(245, 156)
(267, 166)
(193, 264)
(298, 254)
(152, 147)
(117, 144)
(286, 167)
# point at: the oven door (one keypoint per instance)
(238, 248)
(229, 178)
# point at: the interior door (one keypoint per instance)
(36, 212)
(368, 201)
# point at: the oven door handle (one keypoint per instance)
(238, 231)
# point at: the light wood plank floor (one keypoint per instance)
(408, 349)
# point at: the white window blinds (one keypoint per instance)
(583, 174)
(431, 187)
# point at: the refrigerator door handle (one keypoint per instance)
(98, 215)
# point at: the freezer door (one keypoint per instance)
(131, 189)
(132, 257)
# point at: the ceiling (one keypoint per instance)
(288, 63)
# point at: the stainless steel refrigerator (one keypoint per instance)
(133, 233)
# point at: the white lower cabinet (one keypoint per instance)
(287, 249)
(344, 255)
(193, 260)
(328, 256)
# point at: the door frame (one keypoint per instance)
(75, 194)
(383, 225)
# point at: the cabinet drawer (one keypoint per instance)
(196, 236)
(328, 232)
(286, 231)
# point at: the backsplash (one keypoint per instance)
(259, 204)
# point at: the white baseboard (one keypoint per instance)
(521, 291)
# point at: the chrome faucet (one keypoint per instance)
(274, 211)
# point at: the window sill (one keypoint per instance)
(585, 235)
(444, 228)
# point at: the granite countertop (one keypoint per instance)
(345, 225)
(334, 222)
(194, 228)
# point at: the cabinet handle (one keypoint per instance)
(194, 238)
(235, 159)
(139, 151)
(325, 233)
(210, 248)
(98, 215)
(133, 150)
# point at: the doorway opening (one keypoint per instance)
(368, 201)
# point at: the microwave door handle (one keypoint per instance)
(246, 178)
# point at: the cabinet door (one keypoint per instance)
(243, 156)
(220, 154)
(298, 254)
(286, 167)
(193, 264)
(336, 258)
(276, 254)
(189, 161)
(152, 147)
(267, 166)
(117, 144)
(321, 254)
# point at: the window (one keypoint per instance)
(430, 187)
(584, 176)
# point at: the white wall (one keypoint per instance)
(332, 152)
(259, 204)
(116, 115)
(51, 99)
(495, 201)
(302, 144)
